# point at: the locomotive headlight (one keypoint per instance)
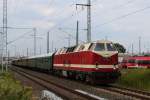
(96, 66)
(115, 66)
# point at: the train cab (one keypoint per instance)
(99, 59)
(106, 55)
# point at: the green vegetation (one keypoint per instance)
(135, 78)
(1, 68)
(10, 89)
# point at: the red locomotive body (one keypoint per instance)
(96, 62)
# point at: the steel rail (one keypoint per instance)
(32, 77)
(133, 90)
(128, 92)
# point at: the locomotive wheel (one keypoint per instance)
(77, 77)
(89, 80)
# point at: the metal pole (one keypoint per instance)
(1, 48)
(4, 35)
(52, 45)
(139, 45)
(40, 50)
(88, 5)
(89, 21)
(34, 29)
(2, 60)
(132, 49)
(7, 52)
(47, 42)
(69, 40)
(27, 52)
(8, 60)
(15, 51)
(2, 54)
(77, 33)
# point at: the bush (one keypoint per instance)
(10, 89)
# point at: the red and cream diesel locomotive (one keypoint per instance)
(95, 62)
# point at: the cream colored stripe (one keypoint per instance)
(132, 66)
(85, 66)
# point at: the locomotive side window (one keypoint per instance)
(63, 50)
(71, 49)
(58, 51)
(110, 47)
(92, 46)
(99, 47)
(81, 48)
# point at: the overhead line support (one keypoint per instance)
(88, 5)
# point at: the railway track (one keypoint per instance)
(65, 93)
(132, 90)
(129, 92)
(110, 89)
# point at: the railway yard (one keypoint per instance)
(55, 53)
(75, 90)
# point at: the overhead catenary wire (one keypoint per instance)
(123, 16)
(28, 28)
(128, 2)
(67, 18)
(70, 35)
(20, 37)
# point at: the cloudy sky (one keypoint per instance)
(122, 21)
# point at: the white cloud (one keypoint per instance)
(43, 15)
(41, 24)
(43, 10)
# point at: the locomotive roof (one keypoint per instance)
(103, 41)
(40, 56)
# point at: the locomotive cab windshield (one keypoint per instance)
(99, 47)
(102, 47)
(110, 47)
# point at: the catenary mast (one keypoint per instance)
(4, 35)
(88, 5)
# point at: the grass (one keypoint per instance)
(0, 67)
(10, 89)
(135, 78)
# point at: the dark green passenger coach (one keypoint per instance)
(43, 62)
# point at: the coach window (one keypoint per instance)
(99, 47)
(131, 61)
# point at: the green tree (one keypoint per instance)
(120, 48)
